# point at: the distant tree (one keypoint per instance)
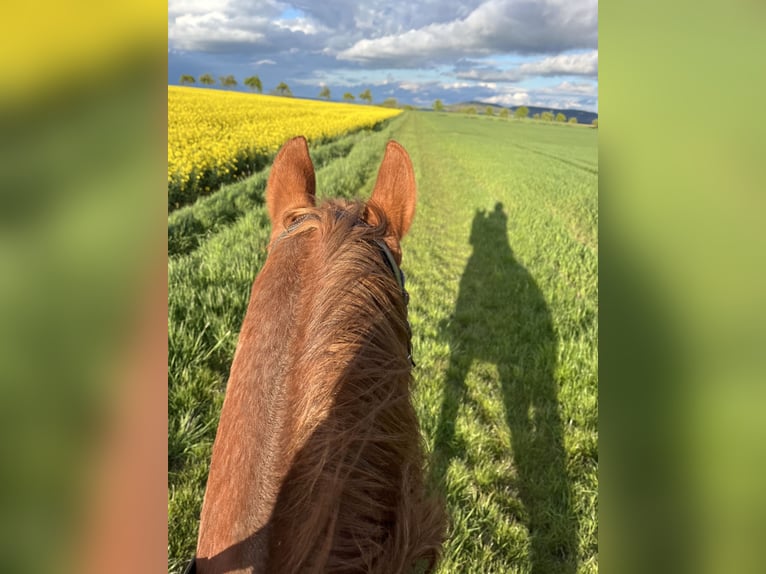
(325, 93)
(572, 120)
(547, 116)
(408, 107)
(595, 123)
(228, 81)
(349, 97)
(366, 96)
(504, 113)
(207, 79)
(470, 110)
(187, 79)
(389, 103)
(560, 117)
(522, 112)
(254, 83)
(438, 106)
(489, 111)
(536, 117)
(283, 89)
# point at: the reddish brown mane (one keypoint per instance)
(318, 465)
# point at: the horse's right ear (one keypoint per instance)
(395, 189)
(291, 183)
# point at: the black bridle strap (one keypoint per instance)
(399, 274)
(392, 264)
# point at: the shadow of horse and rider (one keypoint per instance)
(501, 318)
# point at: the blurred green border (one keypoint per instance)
(682, 286)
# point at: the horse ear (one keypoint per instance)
(291, 182)
(395, 189)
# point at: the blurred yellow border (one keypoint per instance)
(47, 45)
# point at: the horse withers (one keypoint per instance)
(317, 464)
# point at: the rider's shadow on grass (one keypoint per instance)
(502, 318)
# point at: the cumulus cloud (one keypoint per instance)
(412, 86)
(496, 26)
(212, 30)
(575, 88)
(584, 64)
(178, 7)
(236, 26)
(433, 85)
(370, 18)
(302, 25)
(490, 75)
(513, 98)
(566, 95)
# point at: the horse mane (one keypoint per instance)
(353, 499)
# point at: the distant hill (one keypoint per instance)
(582, 116)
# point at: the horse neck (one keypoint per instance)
(312, 346)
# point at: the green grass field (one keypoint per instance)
(502, 266)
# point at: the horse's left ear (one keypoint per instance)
(395, 191)
(291, 183)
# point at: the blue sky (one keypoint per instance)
(508, 52)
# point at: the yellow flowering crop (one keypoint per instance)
(214, 135)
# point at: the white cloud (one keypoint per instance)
(456, 85)
(585, 64)
(432, 85)
(571, 88)
(492, 75)
(496, 26)
(193, 31)
(411, 86)
(517, 98)
(264, 63)
(179, 7)
(298, 25)
(566, 95)
(234, 26)
(357, 19)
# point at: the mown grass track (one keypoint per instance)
(502, 265)
(503, 262)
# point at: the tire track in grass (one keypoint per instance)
(590, 169)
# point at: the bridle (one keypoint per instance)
(399, 275)
(388, 258)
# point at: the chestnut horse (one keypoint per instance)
(317, 465)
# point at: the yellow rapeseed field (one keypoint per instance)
(213, 135)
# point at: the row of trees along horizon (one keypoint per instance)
(520, 112)
(282, 89)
